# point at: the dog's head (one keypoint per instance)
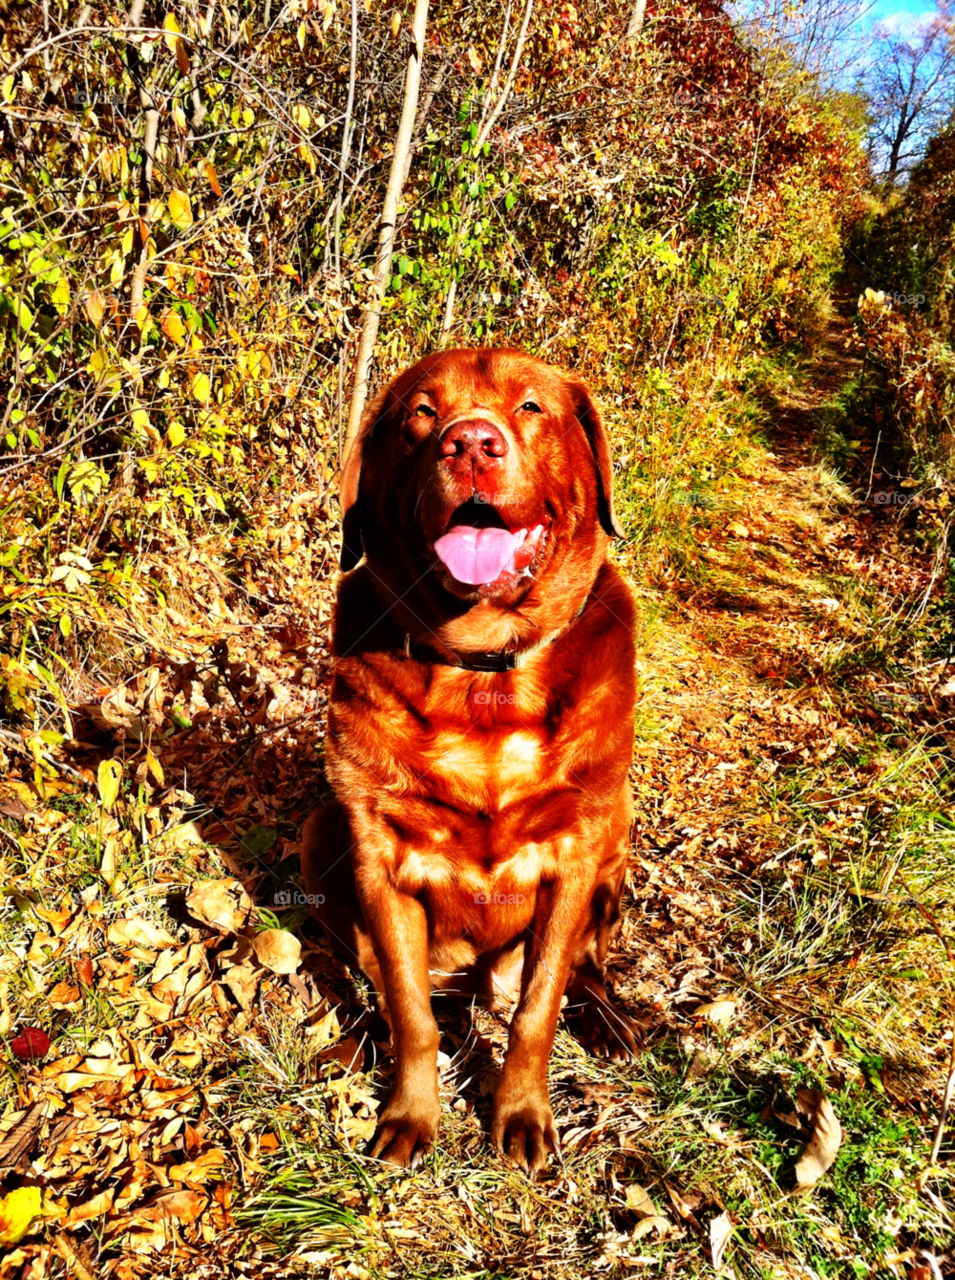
(478, 477)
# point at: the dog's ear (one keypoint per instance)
(596, 433)
(352, 550)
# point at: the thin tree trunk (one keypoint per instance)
(150, 135)
(389, 214)
(346, 142)
(635, 25)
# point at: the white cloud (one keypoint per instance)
(910, 26)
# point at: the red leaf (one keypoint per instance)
(32, 1042)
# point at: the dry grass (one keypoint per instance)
(786, 813)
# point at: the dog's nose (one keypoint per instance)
(476, 439)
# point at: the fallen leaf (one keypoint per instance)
(720, 1231)
(718, 1012)
(685, 1205)
(108, 778)
(223, 904)
(95, 1207)
(32, 1043)
(278, 950)
(349, 1053)
(17, 1211)
(662, 1226)
(137, 932)
(823, 1146)
(242, 980)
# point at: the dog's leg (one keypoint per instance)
(399, 931)
(386, 933)
(522, 1123)
(603, 1031)
(330, 883)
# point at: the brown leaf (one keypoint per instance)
(19, 1139)
(278, 950)
(639, 1201)
(717, 1012)
(242, 980)
(95, 1207)
(685, 1206)
(823, 1146)
(720, 1231)
(183, 1206)
(662, 1226)
(349, 1053)
(223, 904)
(137, 932)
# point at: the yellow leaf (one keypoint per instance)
(154, 767)
(301, 115)
(180, 211)
(141, 315)
(301, 39)
(182, 57)
(23, 312)
(172, 30)
(201, 387)
(17, 1211)
(306, 154)
(140, 419)
(108, 777)
(66, 624)
(395, 23)
(10, 88)
(95, 307)
(176, 434)
(61, 295)
(173, 327)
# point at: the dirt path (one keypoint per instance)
(753, 689)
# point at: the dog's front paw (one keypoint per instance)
(406, 1130)
(522, 1128)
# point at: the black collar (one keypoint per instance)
(494, 662)
(504, 660)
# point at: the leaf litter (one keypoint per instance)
(174, 1047)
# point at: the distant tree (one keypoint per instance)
(911, 89)
(817, 37)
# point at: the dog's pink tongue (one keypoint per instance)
(478, 556)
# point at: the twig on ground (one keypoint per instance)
(16, 742)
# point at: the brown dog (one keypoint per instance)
(480, 726)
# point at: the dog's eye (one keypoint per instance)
(530, 407)
(425, 411)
